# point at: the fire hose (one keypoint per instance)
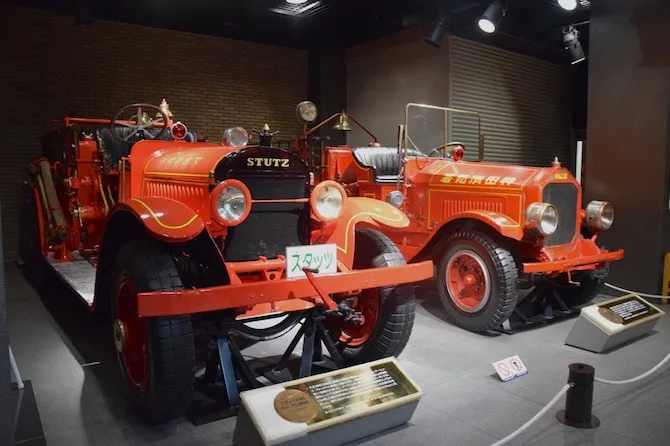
(60, 230)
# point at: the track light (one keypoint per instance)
(489, 21)
(439, 29)
(568, 4)
(572, 45)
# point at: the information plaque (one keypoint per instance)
(328, 409)
(608, 324)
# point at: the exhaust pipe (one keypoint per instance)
(59, 231)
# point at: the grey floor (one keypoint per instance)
(82, 401)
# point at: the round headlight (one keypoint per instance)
(542, 218)
(235, 137)
(396, 198)
(231, 202)
(306, 112)
(327, 200)
(599, 215)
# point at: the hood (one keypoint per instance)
(185, 160)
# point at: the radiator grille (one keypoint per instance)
(564, 197)
(270, 227)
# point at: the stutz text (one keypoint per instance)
(267, 162)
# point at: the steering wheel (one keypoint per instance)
(443, 147)
(138, 130)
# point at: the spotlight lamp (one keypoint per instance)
(568, 5)
(437, 32)
(491, 18)
(572, 44)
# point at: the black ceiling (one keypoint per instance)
(531, 26)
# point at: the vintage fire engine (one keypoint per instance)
(166, 235)
(492, 229)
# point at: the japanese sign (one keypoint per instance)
(478, 179)
(319, 257)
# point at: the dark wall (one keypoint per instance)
(51, 68)
(628, 122)
(6, 404)
(327, 87)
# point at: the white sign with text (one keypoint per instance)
(510, 368)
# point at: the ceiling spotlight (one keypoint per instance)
(567, 4)
(572, 45)
(296, 2)
(436, 36)
(492, 16)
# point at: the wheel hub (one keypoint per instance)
(467, 280)
(119, 335)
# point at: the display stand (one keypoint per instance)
(543, 306)
(6, 407)
(329, 409)
(606, 325)
(227, 372)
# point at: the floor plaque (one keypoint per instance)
(328, 409)
(611, 323)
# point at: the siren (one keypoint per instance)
(457, 153)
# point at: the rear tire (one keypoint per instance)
(477, 281)
(389, 311)
(157, 358)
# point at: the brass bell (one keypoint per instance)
(266, 127)
(165, 108)
(342, 123)
(145, 118)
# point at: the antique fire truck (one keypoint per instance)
(492, 229)
(164, 234)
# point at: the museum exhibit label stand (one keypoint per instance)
(330, 409)
(612, 323)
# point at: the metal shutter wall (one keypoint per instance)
(524, 104)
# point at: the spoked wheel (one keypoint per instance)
(387, 313)
(477, 281)
(156, 355)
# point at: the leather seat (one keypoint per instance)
(113, 149)
(383, 161)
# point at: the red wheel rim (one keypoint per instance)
(468, 281)
(130, 335)
(354, 335)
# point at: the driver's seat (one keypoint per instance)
(383, 161)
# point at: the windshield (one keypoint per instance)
(428, 127)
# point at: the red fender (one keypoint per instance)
(501, 223)
(373, 213)
(165, 218)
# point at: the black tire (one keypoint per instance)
(34, 268)
(169, 340)
(591, 283)
(498, 303)
(396, 305)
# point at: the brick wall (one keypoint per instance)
(50, 68)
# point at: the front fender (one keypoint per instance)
(166, 219)
(500, 222)
(370, 212)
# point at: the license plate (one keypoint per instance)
(320, 257)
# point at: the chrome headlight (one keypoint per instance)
(599, 215)
(396, 198)
(235, 137)
(327, 200)
(542, 218)
(306, 112)
(230, 202)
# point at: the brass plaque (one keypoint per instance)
(626, 310)
(295, 406)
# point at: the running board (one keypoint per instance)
(78, 274)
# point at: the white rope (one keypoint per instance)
(537, 416)
(624, 290)
(637, 378)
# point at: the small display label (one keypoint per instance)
(510, 368)
(626, 311)
(319, 257)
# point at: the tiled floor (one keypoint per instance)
(81, 400)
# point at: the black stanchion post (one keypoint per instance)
(579, 400)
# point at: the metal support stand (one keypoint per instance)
(237, 374)
(15, 370)
(579, 400)
(543, 306)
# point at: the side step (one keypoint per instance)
(78, 274)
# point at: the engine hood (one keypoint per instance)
(194, 160)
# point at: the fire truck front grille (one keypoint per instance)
(270, 227)
(564, 197)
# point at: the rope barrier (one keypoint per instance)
(537, 416)
(624, 290)
(637, 378)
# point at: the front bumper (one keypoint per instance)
(201, 300)
(578, 263)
